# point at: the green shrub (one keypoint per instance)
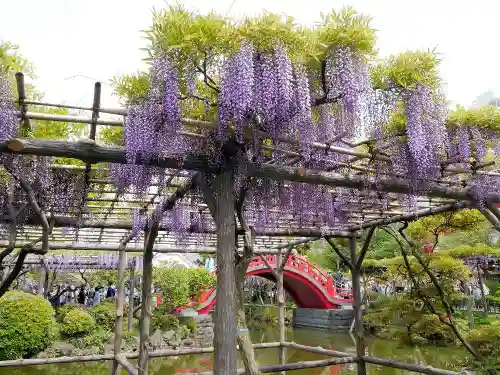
(184, 332)
(96, 339)
(189, 323)
(27, 325)
(430, 327)
(163, 322)
(486, 340)
(104, 314)
(62, 311)
(77, 323)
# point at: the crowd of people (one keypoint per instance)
(85, 295)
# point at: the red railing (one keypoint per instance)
(323, 280)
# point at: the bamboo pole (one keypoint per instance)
(163, 249)
(131, 297)
(179, 352)
(122, 361)
(413, 216)
(317, 350)
(281, 309)
(147, 277)
(409, 367)
(120, 301)
(212, 125)
(358, 313)
(378, 361)
(282, 368)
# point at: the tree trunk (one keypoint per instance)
(358, 313)
(225, 324)
(469, 304)
(43, 276)
(481, 288)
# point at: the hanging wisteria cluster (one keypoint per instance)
(68, 262)
(269, 103)
(56, 190)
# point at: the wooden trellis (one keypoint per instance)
(109, 230)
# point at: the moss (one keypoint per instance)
(27, 325)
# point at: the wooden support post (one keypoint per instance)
(147, 277)
(358, 313)
(225, 325)
(281, 308)
(131, 297)
(43, 276)
(120, 301)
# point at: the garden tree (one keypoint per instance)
(408, 307)
(432, 229)
(265, 84)
(442, 306)
(178, 284)
(478, 257)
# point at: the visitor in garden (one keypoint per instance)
(111, 291)
(97, 296)
(81, 295)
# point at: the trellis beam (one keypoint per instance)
(414, 216)
(91, 152)
(139, 249)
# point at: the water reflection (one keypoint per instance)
(451, 358)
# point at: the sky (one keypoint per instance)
(73, 43)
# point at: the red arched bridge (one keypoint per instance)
(306, 284)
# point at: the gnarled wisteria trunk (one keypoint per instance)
(225, 324)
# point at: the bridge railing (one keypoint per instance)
(301, 264)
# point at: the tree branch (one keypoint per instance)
(285, 258)
(364, 250)
(18, 266)
(273, 270)
(34, 205)
(451, 321)
(339, 252)
(12, 227)
(490, 217)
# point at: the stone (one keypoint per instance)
(91, 351)
(63, 349)
(109, 349)
(188, 342)
(111, 339)
(156, 340)
(168, 335)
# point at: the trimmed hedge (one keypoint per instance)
(27, 325)
(77, 323)
(62, 311)
(105, 315)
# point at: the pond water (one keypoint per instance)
(451, 358)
